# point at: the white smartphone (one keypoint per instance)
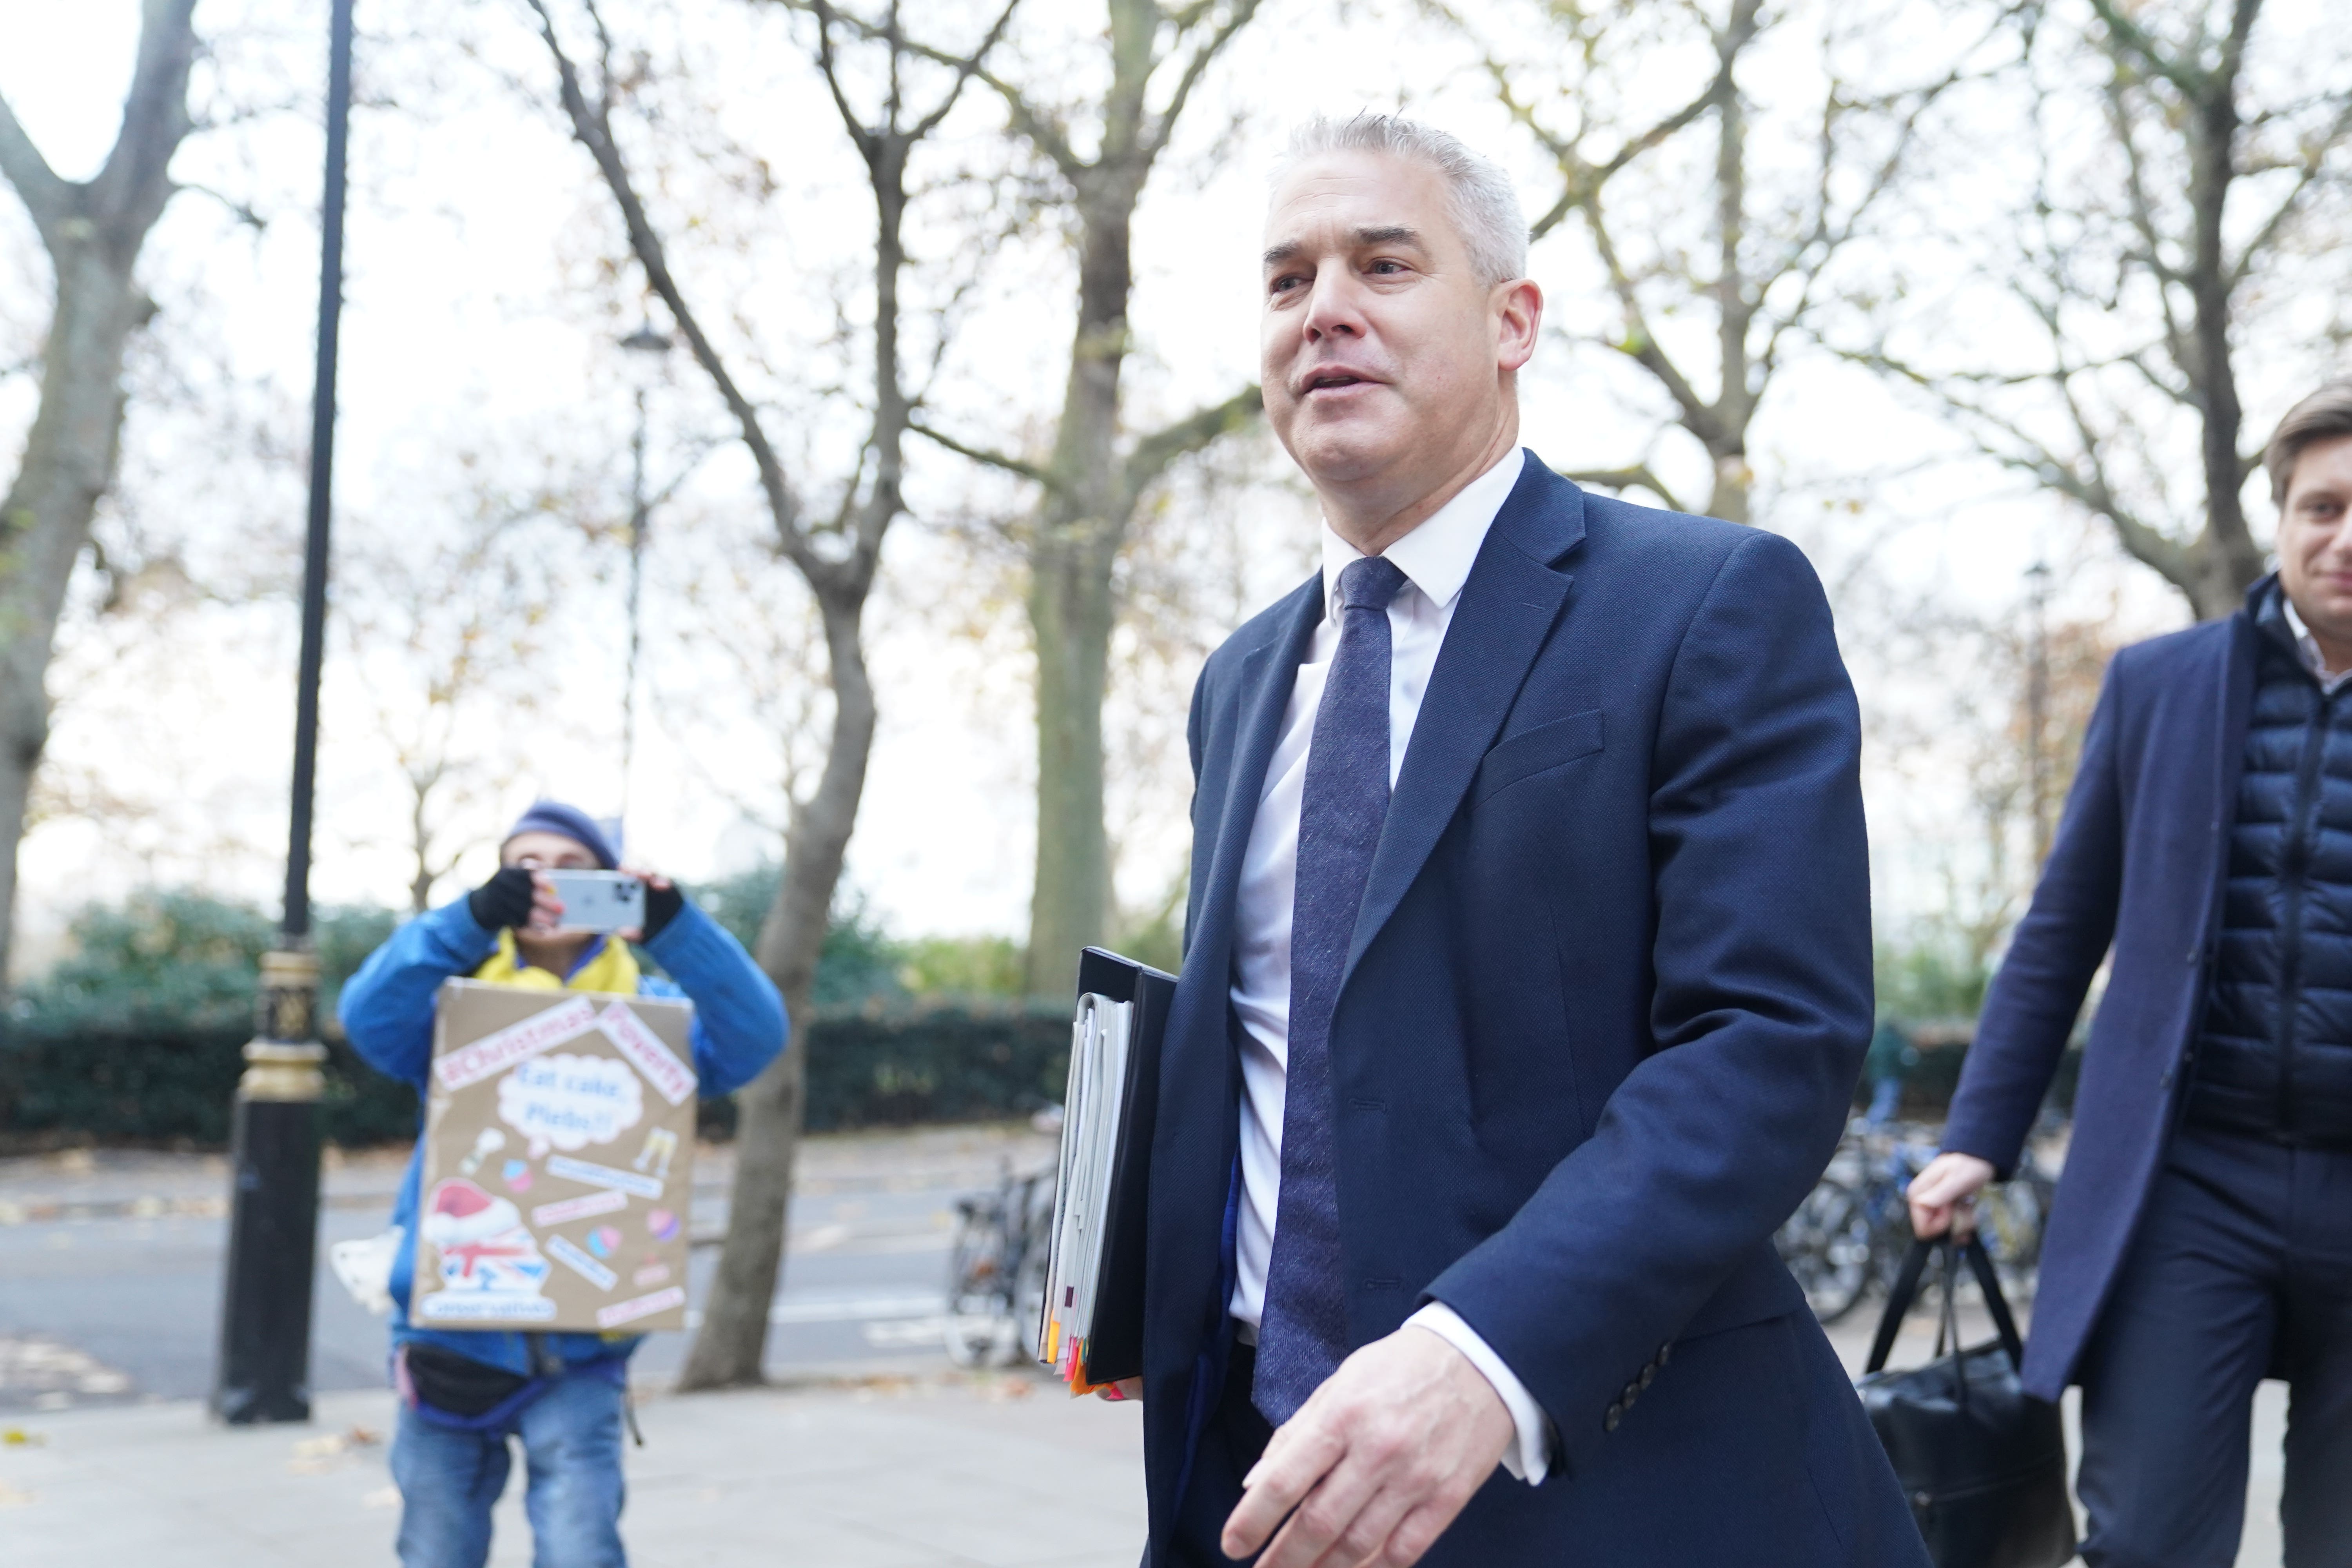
(600, 900)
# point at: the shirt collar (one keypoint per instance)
(2308, 646)
(1437, 555)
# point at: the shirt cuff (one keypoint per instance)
(1529, 1459)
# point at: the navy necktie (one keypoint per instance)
(1303, 1333)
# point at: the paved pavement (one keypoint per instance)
(951, 1472)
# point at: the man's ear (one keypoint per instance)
(1518, 318)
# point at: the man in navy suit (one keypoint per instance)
(1527, 973)
(2201, 1238)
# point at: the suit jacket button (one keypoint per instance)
(1649, 1374)
(1665, 1352)
(1609, 1422)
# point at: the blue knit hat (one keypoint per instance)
(555, 816)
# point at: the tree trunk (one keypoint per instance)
(728, 1350)
(93, 231)
(2216, 581)
(1070, 616)
(67, 465)
(1081, 522)
(1728, 500)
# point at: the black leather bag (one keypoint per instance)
(1983, 1462)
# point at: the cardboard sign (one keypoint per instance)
(558, 1162)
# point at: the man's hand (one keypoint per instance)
(1377, 1463)
(546, 908)
(663, 900)
(1944, 1196)
(508, 899)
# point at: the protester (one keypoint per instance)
(1480, 1104)
(2201, 1238)
(464, 1394)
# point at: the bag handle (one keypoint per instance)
(1996, 1304)
(1898, 1301)
(1907, 1289)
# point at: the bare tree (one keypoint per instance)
(93, 231)
(1090, 484)
(447, 638)
(1766, 264)
(2171, 192)
(836, 555)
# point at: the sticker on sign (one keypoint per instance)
(568, 1101)
(564, 1251)
(671, 1079)
(589, 1173)
(571, 1209)
(629, 1311)
(494, 1053)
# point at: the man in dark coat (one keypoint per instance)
(1527, 974)
(2202, 1234)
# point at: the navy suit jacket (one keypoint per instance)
(1607, 997)
(2140, 864)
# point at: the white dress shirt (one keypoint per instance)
(1435, 558)
(2308, 646)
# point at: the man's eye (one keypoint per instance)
(1285, 283)
(1387, 267)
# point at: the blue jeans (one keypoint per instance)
(571, 1450)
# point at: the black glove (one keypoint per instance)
(662, 905)
(503, 900)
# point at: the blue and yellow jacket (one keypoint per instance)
(388, 1010)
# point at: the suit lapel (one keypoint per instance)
(1267, 674)
(1506, 611)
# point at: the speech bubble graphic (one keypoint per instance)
(569, 1102)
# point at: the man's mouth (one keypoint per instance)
(1333, 381)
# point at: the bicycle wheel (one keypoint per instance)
(1826, 1246)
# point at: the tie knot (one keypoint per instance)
(1369, 583)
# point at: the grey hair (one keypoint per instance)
(1486, 208)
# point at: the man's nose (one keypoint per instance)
(1333, 309)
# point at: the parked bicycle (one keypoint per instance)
(1850, 1235)
(996, 1270)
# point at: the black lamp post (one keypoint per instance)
(647, 350)
(265, 1359)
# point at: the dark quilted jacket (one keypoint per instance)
(2274, 1054)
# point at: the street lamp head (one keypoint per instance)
(645, 341)
(647, 351)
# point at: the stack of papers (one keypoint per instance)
(1099, 1062)
(1092, 1331)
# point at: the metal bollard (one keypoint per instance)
(264, 1355)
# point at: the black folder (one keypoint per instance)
(1114, 1345)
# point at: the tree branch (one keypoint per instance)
(1156, 142)
(1203, 426)
(592, 127)
(986, 456)
(1625, 479)
(48, 198)
(135, 182)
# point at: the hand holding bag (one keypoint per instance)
(1983, 1462)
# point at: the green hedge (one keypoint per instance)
(869, 1067)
